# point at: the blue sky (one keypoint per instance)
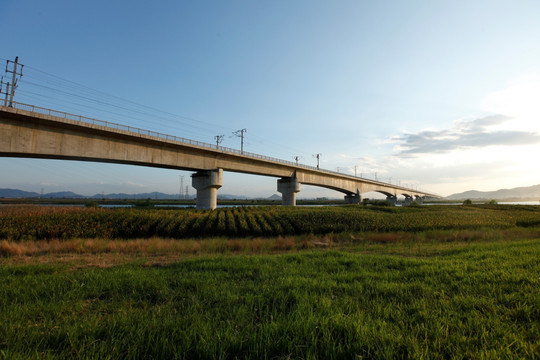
(438, 95)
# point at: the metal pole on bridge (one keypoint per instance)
(14, 79)
(240, 133)
(318, 157)
(7, 93)
(218, 138)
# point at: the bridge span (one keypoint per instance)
(29, 131)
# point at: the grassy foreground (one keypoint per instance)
(405, 299)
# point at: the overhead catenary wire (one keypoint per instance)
(105, 107)
(147, 115)
(48, 89)
(70, 88)
(67, 89)
(108, 96)
(76, 107)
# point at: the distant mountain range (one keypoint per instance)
(519, 193)
(530, 192)
(20, 194)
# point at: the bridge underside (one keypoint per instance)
(31, 135)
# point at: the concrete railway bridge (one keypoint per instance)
(29, 131)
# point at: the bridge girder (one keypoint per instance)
(34, 135)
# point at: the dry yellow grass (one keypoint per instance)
(82, 253)
(164, 246)
(38, 210)
(154, 251)
(153, 246)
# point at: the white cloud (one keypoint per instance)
(487, 152)
(133, 184)
(464, 134)
(49, 184)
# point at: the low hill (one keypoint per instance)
(20, 194)
(17, 194)
(530, 192)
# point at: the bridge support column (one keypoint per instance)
(408, 200)
(419, 199)
(207, 183)
(353, 199)
(288, 187)
(392, 199)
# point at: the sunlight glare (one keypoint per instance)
(520, 101)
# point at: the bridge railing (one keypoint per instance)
(172, 138)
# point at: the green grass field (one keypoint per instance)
(446, 293)
(451, 300)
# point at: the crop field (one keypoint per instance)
(38, 223)
(270, 283)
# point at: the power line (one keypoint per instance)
(91, 95)
(66, 88)
(110, 96)
(149, 115)
(100, 102)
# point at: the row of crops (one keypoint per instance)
(42, 223)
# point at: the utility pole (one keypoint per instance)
(219, 139)
(318, 156)
(296, 158)
(240, 133)
(15, 71)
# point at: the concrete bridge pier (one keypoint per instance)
(353, 198)
(419, 199)
(392, 199)
(288, 187)
(408, 200)
(207, 182)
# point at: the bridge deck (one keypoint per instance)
(30, 131)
